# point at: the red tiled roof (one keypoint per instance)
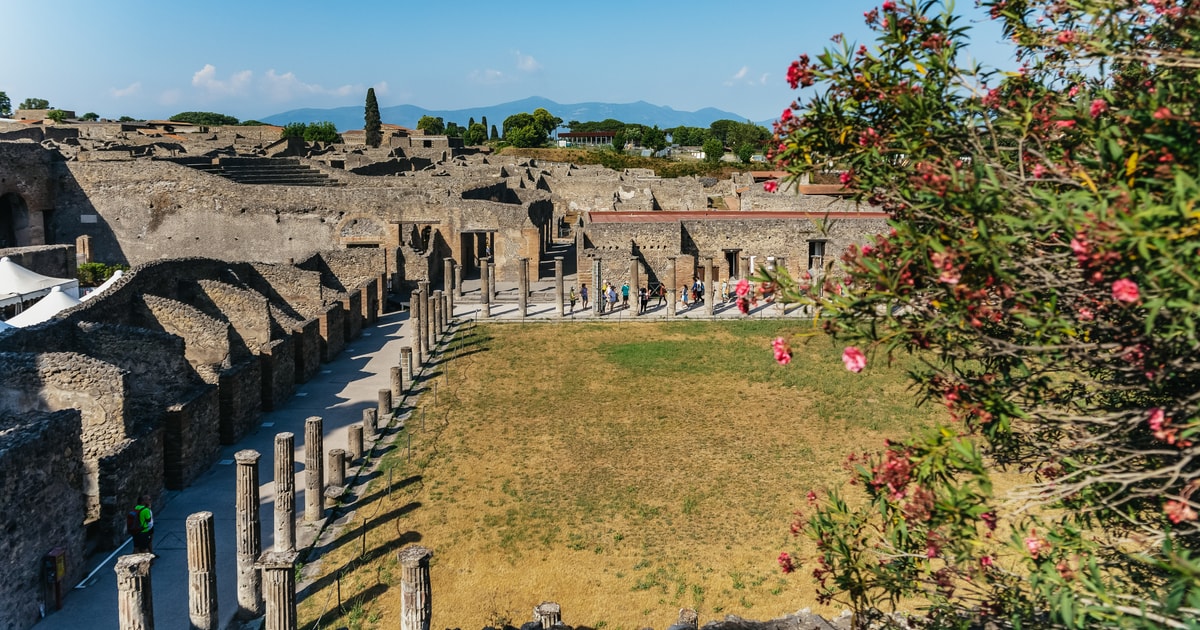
(658, 216)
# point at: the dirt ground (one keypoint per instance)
(624, 472)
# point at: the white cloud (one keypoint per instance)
(741, 74)
(763, 79)
(129, 90)
(381, 87)
(526, 63)
(206, 79)
(282, 87)
(487, 77)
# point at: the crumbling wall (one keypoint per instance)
(41, 507)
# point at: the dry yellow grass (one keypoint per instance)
(623, 472)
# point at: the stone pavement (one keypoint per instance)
(339, 393)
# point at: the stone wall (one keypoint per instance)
(277, 362)
(41, 507)
(240, 389)
(54, 381)
(56, 261)
(206, 339)
(331, 326)
(306, 337)
(191, 438)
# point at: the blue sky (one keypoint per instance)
(253, 58)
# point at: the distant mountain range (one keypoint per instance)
(346, 118)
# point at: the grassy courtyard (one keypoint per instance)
(624, 472)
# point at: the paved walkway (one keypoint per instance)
(338, 393)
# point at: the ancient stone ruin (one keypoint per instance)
(255, 260)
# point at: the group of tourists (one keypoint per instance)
(610, 294)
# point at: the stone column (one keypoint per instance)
(415, 608)
(354, 442)
(558, 286)
(485, 292)
(447, 274)
(447, 311)
(414, 317)
(597, 282)
(634, 283)
(202, 571)
(547, 614)
(279, 589)
(451, 288)
(492, 282)
(716, 276)
(370, 423)
(710, 289)
(458, 281)
(439, 324)
(314, 473)
(385, 404)
(135, 597)
(249, 536)
(337, 467)
(397, 374)
(671, 286)
(522, 286)
(285, 492)
(427, 318)
(406, 367)
(745, 267)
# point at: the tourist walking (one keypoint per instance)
(643, 299)
(583, 295)
(572, 299)
(662, 295)
(143, 525)
(612, 298)
(625, 295)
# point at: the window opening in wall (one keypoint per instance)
(362, 245)
(816, 256)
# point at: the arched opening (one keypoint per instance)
(14, 220)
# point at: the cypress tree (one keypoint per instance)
(373, 127)
(484, 123)
(495, 136)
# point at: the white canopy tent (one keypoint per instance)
(100, 289)
(18, 284)
(54, 303)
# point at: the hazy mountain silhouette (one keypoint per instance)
(641, 112)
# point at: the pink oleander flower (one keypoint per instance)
(1178, 512)
(785, 562)
(743, 305)
(811, 496)
(846, 177)
(1099, 106)
(1066, 37)
(1162, 113)
(853, 359)
(770, 186)
(743, 288)
(1086, 314)
(1157, 418)
(783, 352)
(985, 562)
(889, 6)
(1035, 545)
(1125, 290)
(1038, 171)
(1065, 123)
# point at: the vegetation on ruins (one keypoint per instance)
(372, 125)
(5, 105)
(662, 167)
(57, 115)
(713, 150)
(311, 132)
(636, 469)
(1044, 261)
(95, 273)
(431, 125)
(204, 118)
(90, 117)
(530, 130)
(34, 103)
(476, 134)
